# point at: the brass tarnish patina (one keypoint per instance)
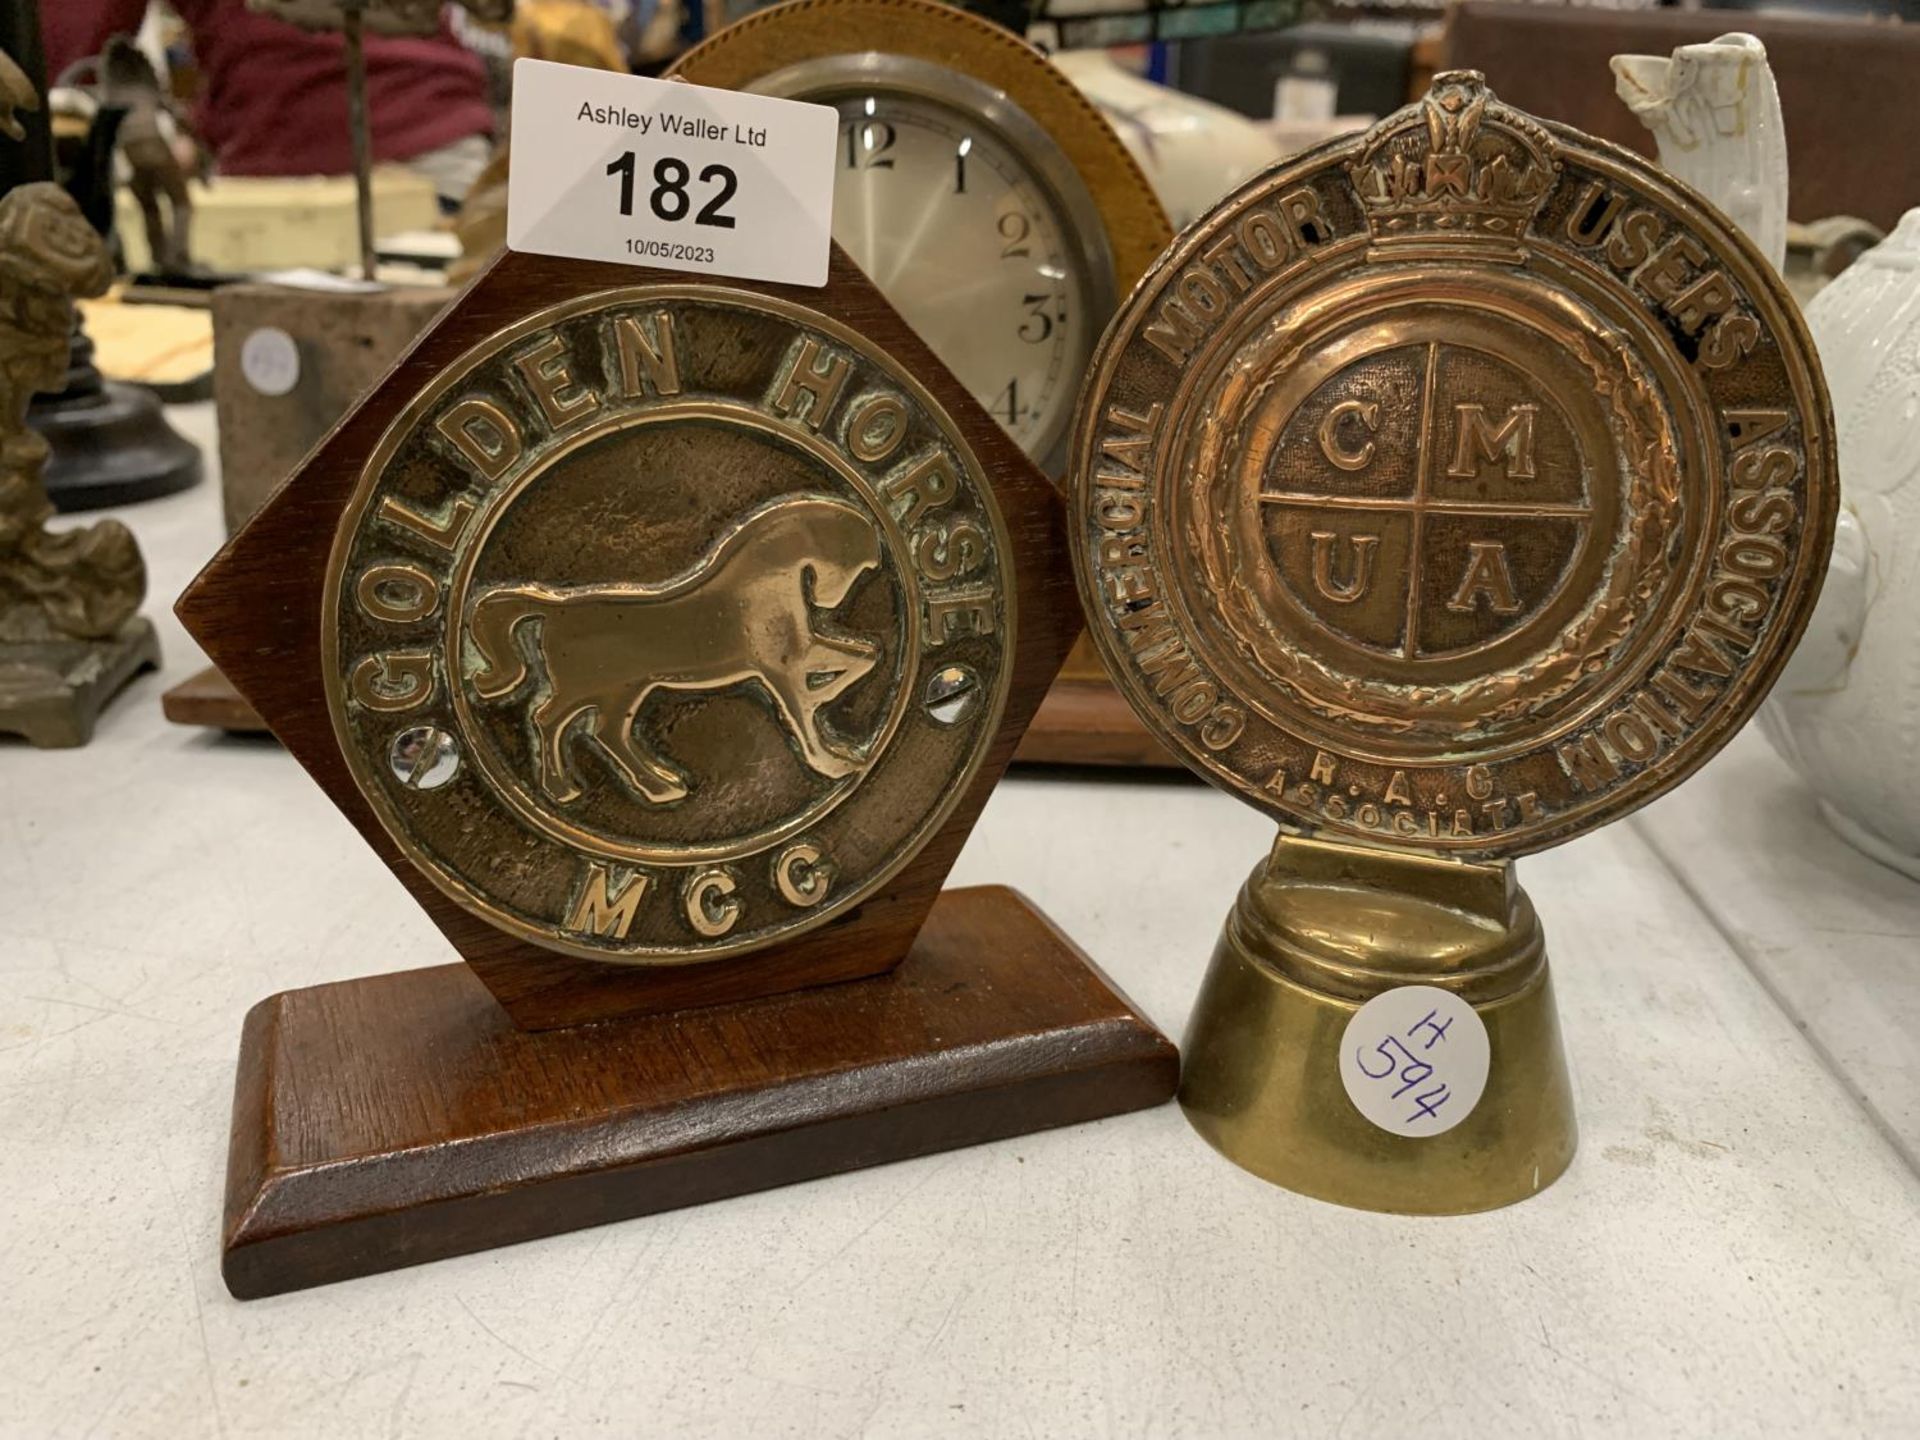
(1450, 490)
(667, 623)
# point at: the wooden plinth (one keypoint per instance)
(1086, 722)
(208, 699)
(402, 1118)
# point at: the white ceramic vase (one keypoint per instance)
(1846, 713)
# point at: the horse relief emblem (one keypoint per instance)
(742, 614)
(668, 623)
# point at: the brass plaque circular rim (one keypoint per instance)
(364, 768)
(1788, 352)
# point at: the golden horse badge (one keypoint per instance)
(667, 623)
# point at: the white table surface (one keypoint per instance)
(1735, 1251)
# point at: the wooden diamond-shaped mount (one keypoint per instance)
(569, 443)
(664, 636)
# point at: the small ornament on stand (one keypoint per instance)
(70, 634)
(353, 18)
(127, 81)
(107, 444)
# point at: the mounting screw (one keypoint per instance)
(951, 694)
(424, 758)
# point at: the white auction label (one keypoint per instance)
(659, 172)
(1414, 1060)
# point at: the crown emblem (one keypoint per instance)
(1458, 166)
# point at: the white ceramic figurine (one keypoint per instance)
(1715, 114)
(1847, 711)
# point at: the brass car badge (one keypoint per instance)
(1445, 492)
(667, 623)
(1458, 487)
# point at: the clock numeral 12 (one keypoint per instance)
(669, 199)
(867, 144)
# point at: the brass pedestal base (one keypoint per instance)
(1320, 929)
(52, 691)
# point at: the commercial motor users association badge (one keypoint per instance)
(1456, 487)
(667, 623)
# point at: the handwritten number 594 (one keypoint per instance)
(669, 199)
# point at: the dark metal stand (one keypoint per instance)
(358, 122)
(111, 443)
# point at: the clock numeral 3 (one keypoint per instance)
(1038, 324)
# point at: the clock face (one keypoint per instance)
(974, 249)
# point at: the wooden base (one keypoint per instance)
(208, 699)
(52, 691)
(402, 1118)
(1087, 722)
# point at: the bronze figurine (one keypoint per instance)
(70, 634)
(159, 182)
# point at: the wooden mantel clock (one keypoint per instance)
(998, 212)
(665, 636)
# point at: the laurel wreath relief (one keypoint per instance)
(1471, 708)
